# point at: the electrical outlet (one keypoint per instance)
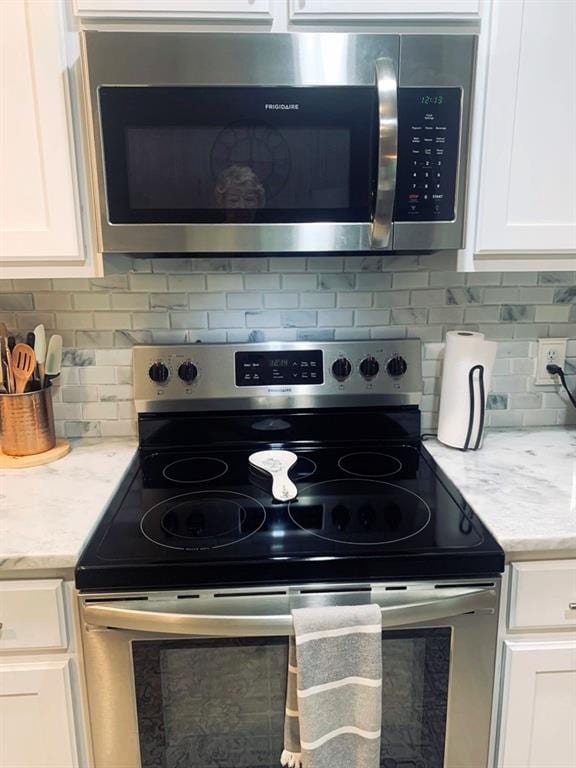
(550, 351)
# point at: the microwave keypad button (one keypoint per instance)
(428, 147)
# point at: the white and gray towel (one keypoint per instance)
(334, 694)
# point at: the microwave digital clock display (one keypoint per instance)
(432, 99)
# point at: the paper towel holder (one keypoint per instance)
(482, 401)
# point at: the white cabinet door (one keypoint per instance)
(36, 721)
(39, 213)
(192, 9)
(538, 723)
(382, 9)
(528, 167)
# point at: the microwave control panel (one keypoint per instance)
(428, 150)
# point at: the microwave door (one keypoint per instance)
(387, 87)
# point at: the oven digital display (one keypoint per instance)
(298, 368)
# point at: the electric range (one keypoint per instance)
(371, 502)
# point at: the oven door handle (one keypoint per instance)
(398, 608)
(387, 87)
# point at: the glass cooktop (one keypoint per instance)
(207, 518)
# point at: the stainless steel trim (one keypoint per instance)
(170, 616)
(571, 606)
(310, 237)
(110, 672)
(215, 385)
(387, 85)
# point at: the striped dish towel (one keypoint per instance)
(334, 694)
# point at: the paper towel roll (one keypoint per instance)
(468, 363)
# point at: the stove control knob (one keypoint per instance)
(396, 366)
(159, 373)
(188, 372)
(369, 367)
(341, 368)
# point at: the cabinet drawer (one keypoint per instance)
(32, 615)
(542, 594)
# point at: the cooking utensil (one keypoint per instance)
(23, 364)
(6, 358)
(3, 330)
(31, 341)
(53, 359)
(3, 389)
(277, 464)
(40, 351)
(11, 343)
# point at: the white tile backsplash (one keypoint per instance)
(247, 299)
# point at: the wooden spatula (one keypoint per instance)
(23, 364)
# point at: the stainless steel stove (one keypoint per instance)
(197, 557)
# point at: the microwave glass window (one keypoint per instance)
(239, 155)
(238, 167)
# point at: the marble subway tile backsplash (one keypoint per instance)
(180, 300)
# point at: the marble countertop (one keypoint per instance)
(48, 512)
(522, 484)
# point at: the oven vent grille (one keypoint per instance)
(125, 599)
(459, 585)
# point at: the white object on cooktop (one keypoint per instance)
(277, 464)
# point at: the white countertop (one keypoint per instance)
(48, 512)
(522, 484)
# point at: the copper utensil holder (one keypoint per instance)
(27, 422)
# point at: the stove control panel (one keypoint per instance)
(277, 375)
(289, 367)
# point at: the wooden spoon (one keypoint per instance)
(23, 364)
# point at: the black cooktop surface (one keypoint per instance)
(203, 517)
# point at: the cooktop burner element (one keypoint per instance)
(371, 504)
(196, 469)
(369, 464)
(203, 520)
(366, 512)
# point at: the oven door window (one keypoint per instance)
(219, 703)
(239, 155)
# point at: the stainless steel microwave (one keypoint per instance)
(279, 142)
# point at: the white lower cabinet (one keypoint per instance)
(538, 723)
(537, 713)
(41, 712)
(36, 719)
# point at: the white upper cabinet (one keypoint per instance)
(39, 210)
(527, 185)
(306, 10)
(176, 9)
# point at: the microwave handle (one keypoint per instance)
(387, 87)
(163, 617)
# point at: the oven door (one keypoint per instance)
(227, 143)
(199, 679)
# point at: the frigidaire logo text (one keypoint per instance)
(282, 106)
